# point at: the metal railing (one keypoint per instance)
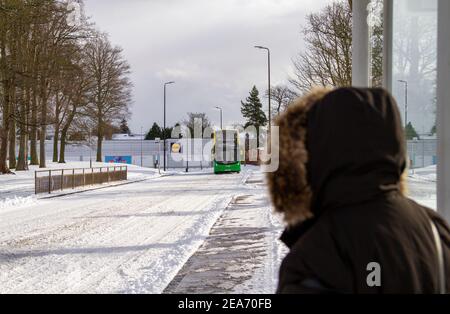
(63, 179)
(422, 153)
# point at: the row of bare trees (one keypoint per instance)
(326, 59)
(56, 71)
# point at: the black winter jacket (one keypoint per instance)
(340, 187)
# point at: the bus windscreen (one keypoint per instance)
(227, 147)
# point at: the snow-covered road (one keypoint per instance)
(126, 239)
(136, 238)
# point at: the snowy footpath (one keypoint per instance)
(242, 253)
(125, 239)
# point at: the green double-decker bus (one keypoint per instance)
(226, 152)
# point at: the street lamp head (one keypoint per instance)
(261, 47)
(168, 83)
(217, 107)
(402, 81)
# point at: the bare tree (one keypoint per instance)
(76, 101)
(282, 96)
(327, 58)
(110, 95)
(45, 78)
(6, 77)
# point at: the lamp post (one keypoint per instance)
(142, 154)
(164, 130)
(90, 149)
(270, 93)
(221, 117)
(406, 102)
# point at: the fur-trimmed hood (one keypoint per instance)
(337, 147)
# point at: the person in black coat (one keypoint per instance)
(341, 190)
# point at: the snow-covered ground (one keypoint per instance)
(422, 186)
(136, 238)
(18, 189)
(125, 239)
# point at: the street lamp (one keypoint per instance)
(90, 149)
(406, 102)
(164, 130)
(270, 91)
(221, 117)
(142, 154)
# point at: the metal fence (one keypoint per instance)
(142, 153)
(47, 181)
(422, 153)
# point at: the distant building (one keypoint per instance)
(128, 137)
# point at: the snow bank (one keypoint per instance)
(17, 202)
(425, 174)
(165, 268)
(422, 186)
(17, 190)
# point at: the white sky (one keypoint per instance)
(206, 46)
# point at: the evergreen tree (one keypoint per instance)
(158, 132)
(252, 111)
(167, 133)
(155, 132)
(411, 132)
(434, 130)
(124, 129)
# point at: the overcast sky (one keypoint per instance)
(206, 46)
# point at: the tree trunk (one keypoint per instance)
(33, 133)
(99, 149)
(4, 132)
(55, 143)
(57, 126)
(64, 131)
(62, 150)
(12, 144)
(21, 162)
(42, 135)
(257, 144)
(99, 140)
(22, 159)
(3, 151)
(4, 127)
(43, 129)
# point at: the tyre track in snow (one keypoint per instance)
(132, 261)
(77, 241)
(26, 217)
(92, 271)
(101, 272)
(125, 227)
(130, 222)
(18, 220)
